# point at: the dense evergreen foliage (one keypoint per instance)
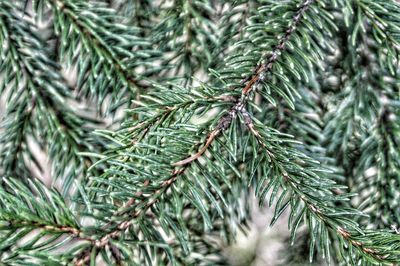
(161, 119)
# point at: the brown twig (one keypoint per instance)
(210, 139)
(71, 231)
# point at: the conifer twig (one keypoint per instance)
(259, 75)
(223, 124)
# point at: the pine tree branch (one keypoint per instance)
(185, 29)
(380, 24)
(124, 225)
(222, 124)
(25, 208)
(239, 108)
(380, 150)
(72, 231)
(251, 83)
(376, 18)
(366, 85)
(97, 41)
(133, 209)
(121, 227)
(40, 106)
(109, 56)
(333, 222)
(17, 127)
